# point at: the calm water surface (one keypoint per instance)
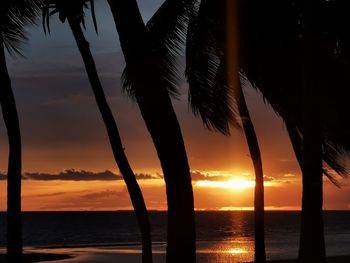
(225, 236)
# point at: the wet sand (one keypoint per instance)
(336, 259)
(38, 257)
(131, 254)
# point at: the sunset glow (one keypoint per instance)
(234, 184)
(221, 166)
(174, 131)
(237, 251)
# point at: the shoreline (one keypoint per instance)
(34, 257)
(330, 259)
(130, 254)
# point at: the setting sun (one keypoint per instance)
(174, 131)
(235, 184)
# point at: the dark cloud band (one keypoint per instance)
(79, 175)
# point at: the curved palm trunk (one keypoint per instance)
(14, 172)
(254, 149)
(233, 60)
(161, 121)
(115, 141)
(312, 242)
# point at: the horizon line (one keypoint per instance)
(160, 210)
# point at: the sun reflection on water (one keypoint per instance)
(238, 246)
(235, 251)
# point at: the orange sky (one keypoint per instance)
(209, 195)
(225, 158)
(62, 129)
(221, 168)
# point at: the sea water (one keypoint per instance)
(221, 234)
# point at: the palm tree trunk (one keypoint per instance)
(312, 242)
(115, 141)
(233, 63)
(309, 156)
(161, 121)
(254, 149)
(14, 172)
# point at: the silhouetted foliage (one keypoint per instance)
(272, 57)
(284, 52)
(65, 9)
(212, 69)
(296, 54)
(74, 13)
(150, 78)
(15, 15)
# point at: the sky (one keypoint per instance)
(67, 160)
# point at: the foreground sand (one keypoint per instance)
(337, 259)
(38, 257)
(130, 255)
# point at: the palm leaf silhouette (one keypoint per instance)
(15, 16)
(74, 13)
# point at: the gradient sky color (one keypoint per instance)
(62, 129)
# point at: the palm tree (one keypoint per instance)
(300, 65)
(282, 59)
(73, 12)
(150, 78)
(311, 123)
(213, 74)
(15, 15)
(255, 154)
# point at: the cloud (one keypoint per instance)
(268, 178)
(80, 175)
(199, 176)
(289, 175)
(143, 176)
(51, 194)
(107, 194)
(83, 175)
(97, 200)
(73, 175)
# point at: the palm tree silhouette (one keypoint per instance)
(213, 74)
(281, 44)
(294, 52)
(150, 78)
(15, 15)
(74, 13)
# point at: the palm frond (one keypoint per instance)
(67, 8)
(272, 60)
(210, 95)
(167, 31)
(15, 16)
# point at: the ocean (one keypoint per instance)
(228, 233)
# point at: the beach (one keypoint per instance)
(131, 255)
